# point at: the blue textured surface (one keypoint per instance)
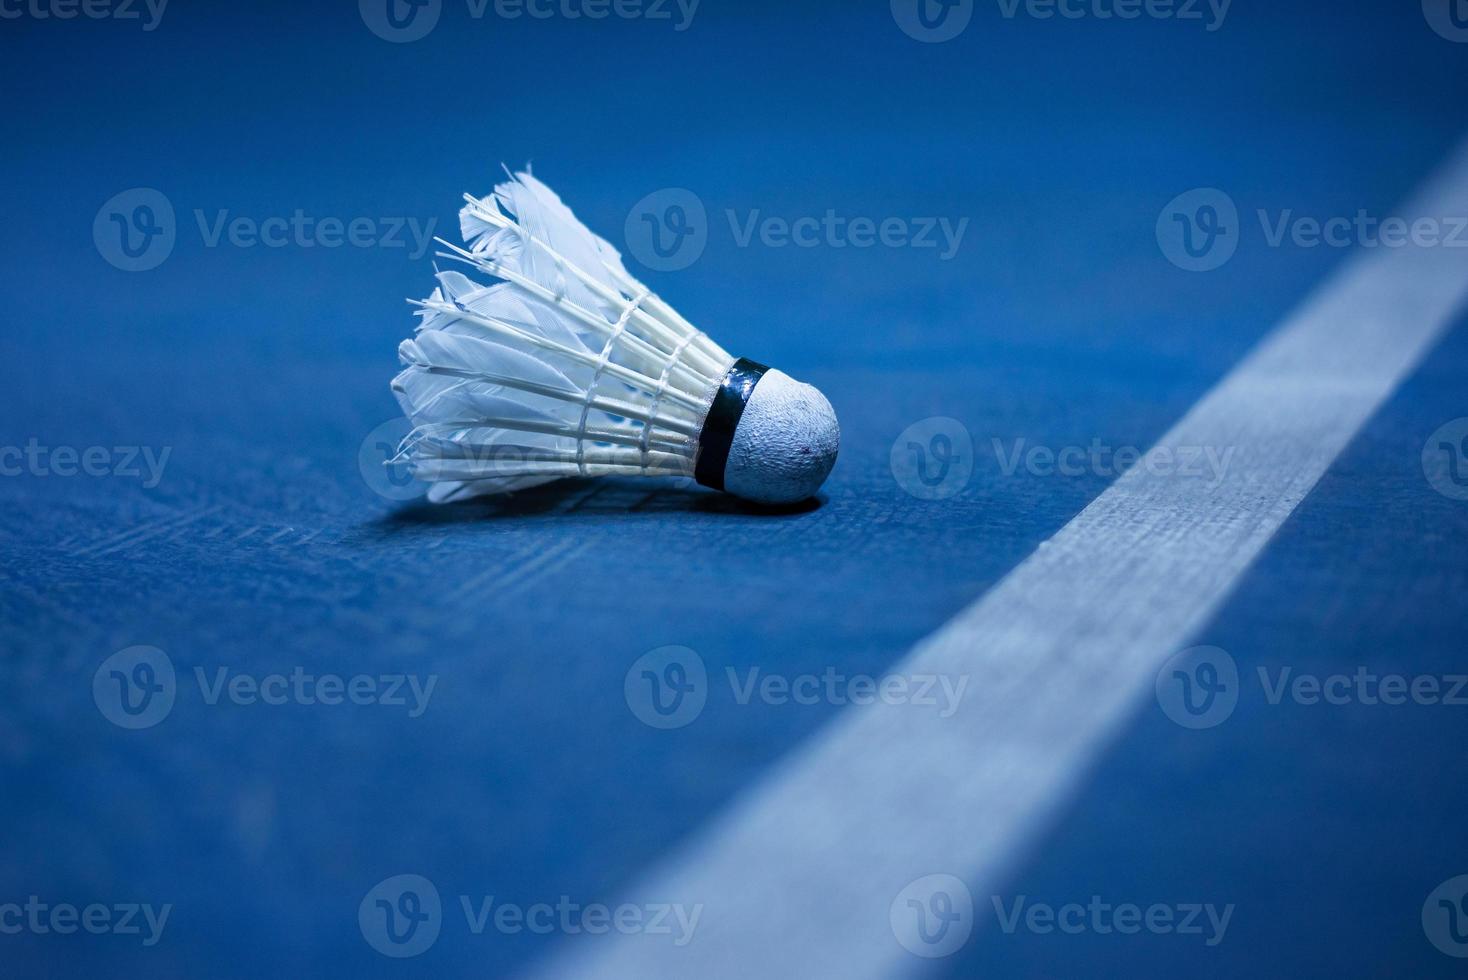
(262, 549)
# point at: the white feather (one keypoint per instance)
(561, 364)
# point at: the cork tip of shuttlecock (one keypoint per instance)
(785, 444)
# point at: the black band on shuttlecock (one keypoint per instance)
(723, 418)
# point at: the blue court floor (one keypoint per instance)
(350, 684)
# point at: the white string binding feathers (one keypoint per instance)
(606, 354)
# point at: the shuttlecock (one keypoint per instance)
(565, 365)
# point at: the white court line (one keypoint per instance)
(796, 878)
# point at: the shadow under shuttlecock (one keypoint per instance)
(598, 496)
